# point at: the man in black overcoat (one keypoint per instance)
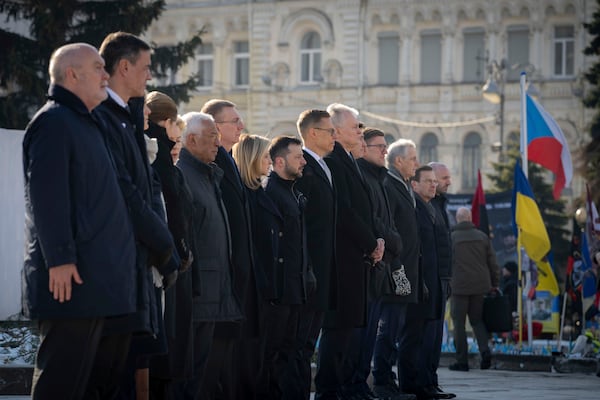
(244, 359)
(79, 267)
(317, 132)
(356, 242)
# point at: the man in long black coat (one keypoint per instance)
(244, 357)
(317, 185)
(415, 379)
(356, 241)
(128, 64)
(401, 161)
(79, 267)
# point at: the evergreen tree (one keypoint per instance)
(553, 211)
(590, 160)
(24, 59)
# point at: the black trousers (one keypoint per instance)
(333, 349)
(247, 364)
(203, 339)
(74, 360)
(409, 350)
(217, 380)
(298, 377)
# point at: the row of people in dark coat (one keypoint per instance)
(334, 244)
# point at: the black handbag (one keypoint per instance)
(497, 315)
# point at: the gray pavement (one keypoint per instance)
(507, 385)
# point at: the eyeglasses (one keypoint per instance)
(381, 147)
(330, 130)
(236, 121)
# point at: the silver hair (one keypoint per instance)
(398, 149)
(338, 112)
(437, 165)
(463, 214)
(64, 57)
(193, 122)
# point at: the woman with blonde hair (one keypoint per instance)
(251, 154)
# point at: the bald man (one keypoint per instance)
(475, 274)
(79, 266)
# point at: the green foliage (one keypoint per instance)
(24, 60)
(553, 211)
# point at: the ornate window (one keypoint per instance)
(428, 148)
(310, 58)
(241, 64)
(471, 160)
(564, 51)
(518, 50)
(205, 65)
(431, 56)
(473, 55)
(389, 55)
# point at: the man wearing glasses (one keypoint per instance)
(372, 165)
(242, 350)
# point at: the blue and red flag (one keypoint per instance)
(547, 145)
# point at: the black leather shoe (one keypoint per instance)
(486, 360)
(440, 394)
(458, 367)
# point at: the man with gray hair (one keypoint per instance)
(401, 161)
(212, 269)
(356, 241)
(79, 269)
(475, 274)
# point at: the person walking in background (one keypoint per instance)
(214, 298)
(316, 183)
(475, 274)
(79, 267)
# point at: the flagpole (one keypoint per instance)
(526, 173)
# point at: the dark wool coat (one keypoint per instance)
(236, 203)
(178, 362)
(74, 213)
(153, 239)
(289, 275)
(445, 246)
(355, 241)
(381, 282)
(320, 214)
(431, 234)
(405, 222)
(212, 270)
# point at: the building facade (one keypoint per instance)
(415, 69)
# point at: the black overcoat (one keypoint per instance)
(320, 214)
(405, 221)
(355, 241)
(74, 213)
(236, 203)
(153, 240)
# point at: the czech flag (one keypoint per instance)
(526, 216)
(547, 146)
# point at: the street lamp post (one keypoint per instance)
(493, 91)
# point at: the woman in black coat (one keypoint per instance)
(165, 127)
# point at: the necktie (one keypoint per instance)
(326, 169)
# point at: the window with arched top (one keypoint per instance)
(310, 58)
(428, 148)
(471, 160)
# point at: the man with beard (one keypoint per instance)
(284, 261)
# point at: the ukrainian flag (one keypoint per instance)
(532, 232)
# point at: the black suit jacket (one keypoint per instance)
(320, 215)
(355, 241)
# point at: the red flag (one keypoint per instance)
(478, 210)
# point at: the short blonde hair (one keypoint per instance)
(248, 154)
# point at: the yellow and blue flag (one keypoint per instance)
(527, 218)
